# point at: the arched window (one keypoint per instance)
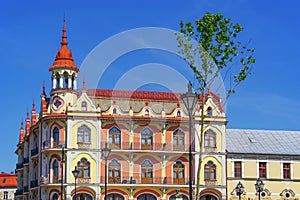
(84, 168)
(178, 113)
(114, 172)
(114, 111)
(178, 140)
(147, 172)
(115, 138)
(55, 168)
(210, 139)
(55, 196)
(182, 196)
(115, 197)
(146, 139)
(146, 112)
(84, 134)
(146, 197)
(209, 111)
(210, 171)
(83, 106)
(178, 173)
(55, 134)
(82, 196)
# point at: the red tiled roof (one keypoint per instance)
(147, 95)
(8, 180)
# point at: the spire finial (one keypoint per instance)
(27, 114)
(43, 88)
(33, 104)
(84, 85)
(22, 125)
(64, 36)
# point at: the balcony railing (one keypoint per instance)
(140, 180)
(157, 146)
(33, 183)
(19, 165)
(25, 189)
(34, 151)
(19, 192)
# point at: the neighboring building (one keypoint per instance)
(273, 156)
(148, 135)
(147, 132)
(8, 185)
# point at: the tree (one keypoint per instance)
(211, 42)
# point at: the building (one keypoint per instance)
(8, 185)
(272, 156)
(148, 134)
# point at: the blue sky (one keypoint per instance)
(31, 32)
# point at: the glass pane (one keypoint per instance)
(150, 140)
(87, 137)
(149, 173)
(181, 141)
(143, 140)
(181, 174)
(80, 137)
(111, 139)
(175, 141)
(86, 171)
(143, 173)
(175, 174)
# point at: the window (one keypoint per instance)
(147, 169)
(286, 170)
(238, 169)
(146, 112)
(210, 171)
(115, 197)
(55, 137)
(210, 139)
(84, 168)
(178, 140)
(4, 180)
(55, 196)
(178, 173)
(114, 111)
(147, 139)
(262, 168)
(84, 134)
(209, 111)
(82, 196)
(114, 172)
(5, 196)
(115, 138)
(146, 197)
(84, 106)
(55, 168)
(178, 113)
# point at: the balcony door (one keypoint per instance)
(178, 173)
(146, 139)
(147, 172)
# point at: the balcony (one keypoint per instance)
(19, 165)
(140, 180)
(33, 183)
(19, 192)
(25, 189)
(34, 151)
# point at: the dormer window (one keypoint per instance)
(178, 113)
(83, 106)
(209, 111)
(114, 111)
(146, 112)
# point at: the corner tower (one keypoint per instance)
(64, 74)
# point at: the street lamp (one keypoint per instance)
(75, 173)
(106, 152)
(259, 187)
(239, 189)
(190, 99)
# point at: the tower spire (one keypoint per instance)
(22, 132)
(64, 35)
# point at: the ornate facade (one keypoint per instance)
(147, 133)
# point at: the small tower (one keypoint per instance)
(64, 74)
(21, 133)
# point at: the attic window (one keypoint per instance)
(4, 180)
(84, 106)
(252, 139)
(209, 111)
(178, 113)
(114, 111)
(146, 112)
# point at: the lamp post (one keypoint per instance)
(239, 189)
(190, 99)
(259, 187)
(106, 152)
(62, 170)
(75, 173)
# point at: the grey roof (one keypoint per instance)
(263, 141)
